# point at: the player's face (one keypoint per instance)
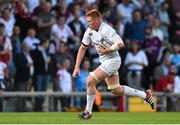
(93, 23)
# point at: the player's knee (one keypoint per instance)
(90, 81)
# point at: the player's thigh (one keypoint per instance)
(96, 76)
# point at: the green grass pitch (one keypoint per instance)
(98, 118)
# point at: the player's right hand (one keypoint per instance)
(76, 73)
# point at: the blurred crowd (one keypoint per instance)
(39, 40)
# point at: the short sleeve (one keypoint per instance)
(86, 40)
(111, 34)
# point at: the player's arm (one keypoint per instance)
(80, 55)
(117, 44)
(79, 58)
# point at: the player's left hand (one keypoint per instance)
(103, 50)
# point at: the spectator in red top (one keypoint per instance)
(170, 83)
(166, 83)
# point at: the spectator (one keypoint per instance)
(22, 16)
(170, 84)
(41, 61)
(152, 47)
(165, 62)
(16, 49)
(3, 74)
(5, 40)
(44, 21)
(77, 28)
(31, 39)
(164, 19)
(150, 7)
(135, 30)
(61, 32)
(8, 21)
(38, 9)
(58, 58)
(65, 83)
(156, 30)
(16, 40)
(135, 61)
(6, 49)
(175, 57)
(24, 72)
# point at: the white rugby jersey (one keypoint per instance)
(104, 37)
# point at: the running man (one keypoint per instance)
(107, 43)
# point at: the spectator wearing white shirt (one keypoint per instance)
(125, 9)
(65, 83)
(8, 20)
(156, 30)
(31, 40)
(135, 61)
(64, 76)
(60, 32)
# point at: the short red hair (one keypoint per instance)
(94, 14)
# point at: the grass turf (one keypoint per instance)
(98, 118)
